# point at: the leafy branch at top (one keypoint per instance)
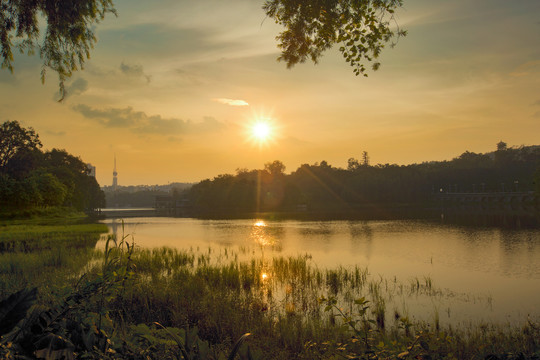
(68, 37)
(360, 27)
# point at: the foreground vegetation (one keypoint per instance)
(124, 302)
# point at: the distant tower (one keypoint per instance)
(115, 178)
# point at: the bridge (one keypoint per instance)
(510, 201)
(512, 209)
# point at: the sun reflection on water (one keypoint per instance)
(260, 234)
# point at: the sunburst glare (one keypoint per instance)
(262, 130)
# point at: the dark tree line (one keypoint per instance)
(324, 188)
(31, 178)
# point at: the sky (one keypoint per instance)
(173, 87)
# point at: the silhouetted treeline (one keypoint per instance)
(138, 199)
(321, 187)
(31, 178)
(140, 196)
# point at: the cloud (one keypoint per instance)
(77, 87)
(174, 139)
(141, 123)
(232, 102)
(134, 71)
(56, 133)
(527, 69)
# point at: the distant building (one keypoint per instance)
(91, 170)
(115, 176)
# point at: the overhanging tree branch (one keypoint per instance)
(361, 28)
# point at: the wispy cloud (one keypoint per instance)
(527, 69)
(77, 87)
(232, 102)
(56, 133)
(142, 123)
(134, 71)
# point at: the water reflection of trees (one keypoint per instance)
(521, 252)
(361, 233)
(323, 228)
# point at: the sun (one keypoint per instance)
(261, 131)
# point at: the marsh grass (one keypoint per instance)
(51, 257)
(292, 308)
(278, 300)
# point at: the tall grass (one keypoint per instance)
(278, 300)
(292, 308)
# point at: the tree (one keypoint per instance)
(502, 146)
(352, 164)
(23, 162)
(52, 192)
(68, 37)
(7, 190)
(275, 168)
(365, 158)
(14, 138)
(83, 191)
(360, 27)
(536, 181)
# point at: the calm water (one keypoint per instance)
(483, 274)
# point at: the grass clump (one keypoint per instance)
(296, 308)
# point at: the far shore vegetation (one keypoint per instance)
(321, 187)
(361, 190)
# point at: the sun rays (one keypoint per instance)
(261, 130)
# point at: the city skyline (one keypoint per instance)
(173, 89)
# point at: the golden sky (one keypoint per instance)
(172, 87)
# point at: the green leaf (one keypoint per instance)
(237, 345)
(14, 308)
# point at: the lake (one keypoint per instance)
(479, 274)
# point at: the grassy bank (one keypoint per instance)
(45, 250)
(42, 215)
